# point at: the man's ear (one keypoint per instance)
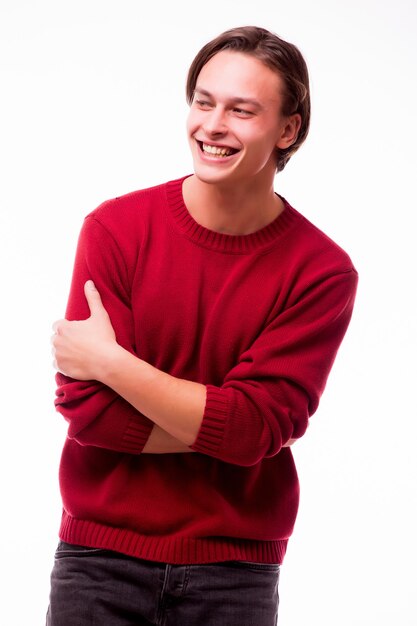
(289, 132)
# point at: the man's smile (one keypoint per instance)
(220, 151)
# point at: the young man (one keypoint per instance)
(211, 314)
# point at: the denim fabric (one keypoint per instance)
(104, 588)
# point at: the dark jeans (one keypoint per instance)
(103, 588)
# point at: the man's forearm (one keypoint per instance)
(161, 442)
(174, 404)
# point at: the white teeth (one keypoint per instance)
(217, 151)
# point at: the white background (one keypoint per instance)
(92, 106)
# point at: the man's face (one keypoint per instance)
(235, 122)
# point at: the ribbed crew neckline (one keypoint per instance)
(222, 242)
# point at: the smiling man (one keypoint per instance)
(203, 319)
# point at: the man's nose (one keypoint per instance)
(215, 122)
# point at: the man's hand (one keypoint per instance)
(81, 348)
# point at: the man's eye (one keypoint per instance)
(203, 104)
(242, 112)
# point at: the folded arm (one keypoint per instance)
(265, 401)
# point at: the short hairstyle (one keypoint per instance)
(282, 57)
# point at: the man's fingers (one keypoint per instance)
(289, 443)
(56, 326)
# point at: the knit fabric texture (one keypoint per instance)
(258, 319)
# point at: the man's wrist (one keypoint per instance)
(110, 363)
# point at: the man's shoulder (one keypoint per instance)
(131, 205)
(317, 247)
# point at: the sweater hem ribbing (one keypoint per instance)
(172, 550)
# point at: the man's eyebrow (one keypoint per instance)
(236, 100)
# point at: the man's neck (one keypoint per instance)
(233, 210)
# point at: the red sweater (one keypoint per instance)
(256, 318)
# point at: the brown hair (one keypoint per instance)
(279, 55)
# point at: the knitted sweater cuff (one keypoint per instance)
(211, 433)
(136, 434)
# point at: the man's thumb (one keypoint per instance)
(93, 297)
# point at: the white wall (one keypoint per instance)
(92, 106)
